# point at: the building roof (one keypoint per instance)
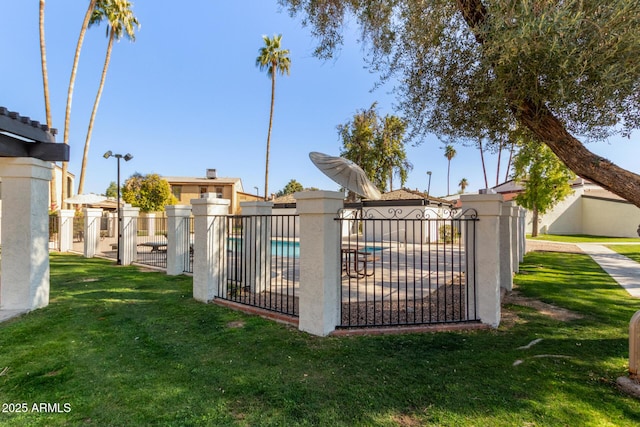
(22, 137)
(390, 196)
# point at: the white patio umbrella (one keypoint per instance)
(85, 199)
(346, 173)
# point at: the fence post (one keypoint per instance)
(506, 249)
(91, 231)
(208, 247)
(256, 244)
(485, 247)
(320, 270)
(178, 240)
(65, 229)
(515, 236)
(129, 232)
(25, 233)
(522, 219)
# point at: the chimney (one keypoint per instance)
(211, 174)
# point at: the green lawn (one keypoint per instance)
(631, 251)
(127, 348)
(583, 238)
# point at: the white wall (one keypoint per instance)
(609, 218)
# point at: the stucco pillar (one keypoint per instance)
(506, 249)
(320, 270)
(129, 250)
(151, 223)
(484, 247)
(65, 229)
(25, 233)
(522, 220)
(178, 238)
(256, 244)
(209, 247)
(91, 231)
(515, 236)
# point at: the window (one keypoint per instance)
(203, 190)
(219, 192)
(176, 190)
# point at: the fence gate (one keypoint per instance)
(259, 265)
(407, 268)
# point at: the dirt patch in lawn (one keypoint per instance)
(509, 317)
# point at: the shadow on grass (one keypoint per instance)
(131, 348)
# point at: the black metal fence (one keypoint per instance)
(152, 241)
(187, 243)
(54, 232)
(258, 261)
(407, 268)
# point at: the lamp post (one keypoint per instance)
(429, 185)
(126, 157)
(256, 191)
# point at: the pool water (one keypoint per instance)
(289, 249)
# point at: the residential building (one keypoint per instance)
(187, 188)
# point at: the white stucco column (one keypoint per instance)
(151, 223)
(320, 270)
(25, 233)
(256, 244)
(65, 229)
(506, 249)
(91, 231)
(486, 251)
(178, 238)
(515, 237)
(129, 250)
(209, 247)
(522, 218)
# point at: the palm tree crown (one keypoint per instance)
(275, 60)
(449, 153)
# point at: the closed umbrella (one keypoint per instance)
(346, 173)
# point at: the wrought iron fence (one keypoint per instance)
(407, 268)
(54, 232)
(187, 243)
(258, 261)
(152, 241)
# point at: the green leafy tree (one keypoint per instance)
(473, 69)
(546, 180)
(112, 190)
(150, 193)
(275, 60)
(449, 153)
(120, 22)
(291, 187)
(376, 145)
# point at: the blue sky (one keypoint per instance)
(187, 96)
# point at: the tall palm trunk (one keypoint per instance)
(448, 171)
(484, 167)
(74, 69)
(506, 175)
(85, 155)
(53, 193)
(266, 168)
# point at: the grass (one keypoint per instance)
(583, 238)
(631, 251)
(124, 347)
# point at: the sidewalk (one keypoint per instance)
(623, 270)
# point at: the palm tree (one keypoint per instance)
(74, 69)
(275, 60)
(47, 104)
(121, 21)
(463, 185)
(449, 153)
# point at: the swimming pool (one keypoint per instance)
(290, 248)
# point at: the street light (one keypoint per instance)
(126, 158)
(429, 185)
(256, 190)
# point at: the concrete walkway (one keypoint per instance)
(623, 270)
